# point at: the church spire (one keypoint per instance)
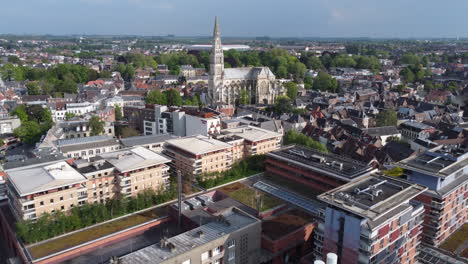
(216, 28)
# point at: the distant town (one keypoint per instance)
(132, 150)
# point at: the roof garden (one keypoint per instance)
(52, 246)
(247, 196)
(456, 241)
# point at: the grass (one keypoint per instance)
(247, 195)
(456, 239)
(293, 186)
(87, 235)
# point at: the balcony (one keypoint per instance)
(125, 183)
(29, 211)
(82, 197)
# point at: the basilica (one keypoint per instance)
(226, 85)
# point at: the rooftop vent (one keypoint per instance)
(199, 234)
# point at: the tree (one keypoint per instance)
(21, 112)
(388, 117)
(33, 88)
(314, 63)
(325, 82)
(283, 105)
(118, 112)
(156, 97)
(173, 97)
(291, 90)
(244, 97)
(408, 75)
(69, 115)
(308, 82)
(96, 125)
(294, 137)
(410, 58)
(29, 132)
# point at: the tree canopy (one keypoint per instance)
(388, 117)
(294, 137)
(96, 125)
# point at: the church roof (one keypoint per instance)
(249, 73)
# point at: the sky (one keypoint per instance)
(250, 18)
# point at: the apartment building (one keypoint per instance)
(371, 220)
(100, 185)
(444, 170)
(166, 122)
(138, 169)
(44, 188)
(232, 237)
(319, 171)
(199, 154)
(250, 140)
(154, 143)
(412, 130)
(80, 128)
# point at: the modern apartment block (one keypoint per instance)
(138, 169)
(234, 237)
(444, 170)
(250, 140)
(45, 188)
(319, 171)
(371, 220)
(198, 154)
(101, 184)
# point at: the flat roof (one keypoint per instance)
(135, 158)
(232, 220)
(330, 164)
(43, 177)
(373, 196)
(251, 133)
(439, 161)
(198, 144)
(75, 144)
(145, 140)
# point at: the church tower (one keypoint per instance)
(216, 67)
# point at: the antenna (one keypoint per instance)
(179, 198)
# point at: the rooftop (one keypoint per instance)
(285, 223)
(251, 133)
(145, 140)
(373, 197)
(228, 222)
(329, 164)
(198, 144)
(440, 161)
(381, 131)
(43, 177)
(135, 158)
(76, 144)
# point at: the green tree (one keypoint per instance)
(325, 82)
(156, 97)
(244, 97)
(283, 105)
(308, 82)
(33, 88)
(173, 97)
(21, 112)
(291, 90)
(294, 137)
(128, 132)
(96, 125)
(388, 117)
(408, 75)
(29, 132)
(314, 63)
(69, 115)
(118, 112)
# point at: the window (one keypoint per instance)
(216, 251)
(231, 255)
(61, 198)
(205, 255)
(218, 261)
(51, 200)
(41, 203)
(231, 243)
(186, 262)
(62, 208)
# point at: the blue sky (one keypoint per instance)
(285, 18)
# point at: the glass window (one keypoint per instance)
(231, 243)
(186, 262)
(231, 255)
(216, 251)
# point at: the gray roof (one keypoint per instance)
(145, 140)
(190, 240)
(381, 131)
(135, 158)
(198, 144)
(43, 177)
(248, 73)
(77, 144)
